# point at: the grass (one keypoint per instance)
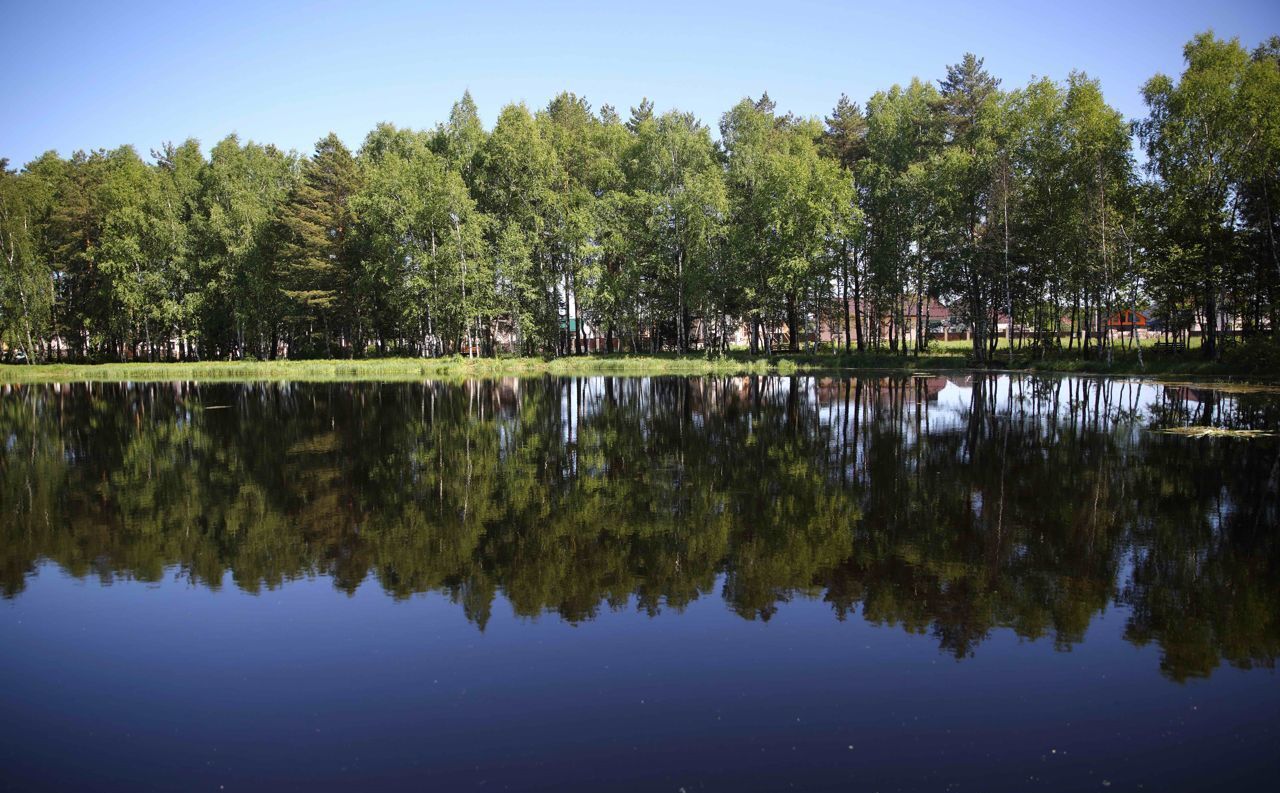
(942, 356)
(1216, 432)
(384, 369)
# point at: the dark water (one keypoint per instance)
(946, 583)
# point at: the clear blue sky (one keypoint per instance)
(100, 74)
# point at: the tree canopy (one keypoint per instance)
(567, 228)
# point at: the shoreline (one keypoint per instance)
(408, 369)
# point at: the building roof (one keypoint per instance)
(1126, 317)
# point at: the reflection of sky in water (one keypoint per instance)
(175, 686)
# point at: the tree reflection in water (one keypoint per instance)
(948, 506)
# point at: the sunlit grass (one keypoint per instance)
(384, 369)
(940, 356)
(1216, 432)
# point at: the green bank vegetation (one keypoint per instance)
(1241, 364)
(388, 369)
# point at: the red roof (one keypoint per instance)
(1126, 318)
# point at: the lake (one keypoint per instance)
(885, 582)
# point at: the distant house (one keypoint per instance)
(586, 337)
(1127, 320)
(938, 320)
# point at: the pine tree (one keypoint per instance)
(317, 251)
(846, 133)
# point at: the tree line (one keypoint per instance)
(1028, 207)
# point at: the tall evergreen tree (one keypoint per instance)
(328, 308)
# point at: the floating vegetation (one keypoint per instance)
(1216, 432)
(1224, 387)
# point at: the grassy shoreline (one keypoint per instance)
(404, 369)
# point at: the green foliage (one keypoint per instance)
(1213, 151)
(568, 229)
(244, 304)
(26, 282)
(319, 251)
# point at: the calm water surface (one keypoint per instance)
(881, 583)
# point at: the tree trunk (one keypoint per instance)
(793, 319)
(1210, 327)
(844, 299)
